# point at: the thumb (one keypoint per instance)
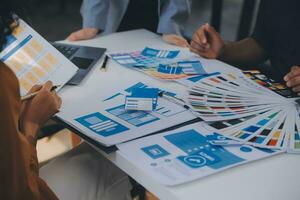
(35, 88)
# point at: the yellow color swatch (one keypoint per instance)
(36, 45)
(25, 85)
(45, 65)
(51, 59)
(29, 52)
(31, 77)
(38, 71)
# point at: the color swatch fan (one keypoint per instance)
(249, 108)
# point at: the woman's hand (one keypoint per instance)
(39, 109)
(175, 40)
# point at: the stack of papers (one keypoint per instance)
(160, 64)
(248, 108)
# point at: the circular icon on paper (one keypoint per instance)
(245, 149)
(221, 137)
(194, 161)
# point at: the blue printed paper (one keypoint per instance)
(192, 67)
(142, 99)
(169, 69)
(159, 53)
(101, 124)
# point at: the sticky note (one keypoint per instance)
(192, 67)
(159, 53)
(142, 99)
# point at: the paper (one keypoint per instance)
(183, 155)
(107, 121)
(34, 60)
(142, 99)
(150, 52)
(250, 108)
(192, 67)
(161, 64)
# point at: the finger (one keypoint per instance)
(296, 89)
(198, 46)
(295, 71)
(196, 51)
(35, 88)
(47, 86)
(200, 36)
(293, 82)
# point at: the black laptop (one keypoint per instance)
(83, 57)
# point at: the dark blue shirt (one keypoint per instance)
(277, 30)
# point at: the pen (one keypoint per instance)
(29, 96)
(103, 67)
(177, 101)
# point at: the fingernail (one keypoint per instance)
(285, 78)
(288, 84)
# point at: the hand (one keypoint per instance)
(293, 79)
(83, 34)
(175, 40)
(207, 42)
(39, 109)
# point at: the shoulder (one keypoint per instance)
(9, 84)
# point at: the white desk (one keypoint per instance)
(275, 178)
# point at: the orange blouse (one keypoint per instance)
(19, 171)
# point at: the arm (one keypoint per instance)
(94, 14)
(173, 15)
(246, 53)
(19, 165)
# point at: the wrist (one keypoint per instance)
(222, 53)
(30, 128)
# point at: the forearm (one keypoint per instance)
(94, 13)
(173, 15)
(245, 54)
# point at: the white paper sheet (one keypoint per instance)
(106, 120)
(34, 60)
(184, 155)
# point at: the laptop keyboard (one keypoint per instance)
(66, 50)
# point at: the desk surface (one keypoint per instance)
(275, 178)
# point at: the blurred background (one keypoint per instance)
(55, 19)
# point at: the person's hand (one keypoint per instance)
(39, 109)
(293, 79)
(83, 34)
(175, 40)
(207, 42)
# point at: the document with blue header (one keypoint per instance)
(186, 154)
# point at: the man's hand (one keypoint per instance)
(207, 42)
(175, 40)
(39, 109)
(83, 34)
(293, 79)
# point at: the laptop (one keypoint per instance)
(83, 57)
